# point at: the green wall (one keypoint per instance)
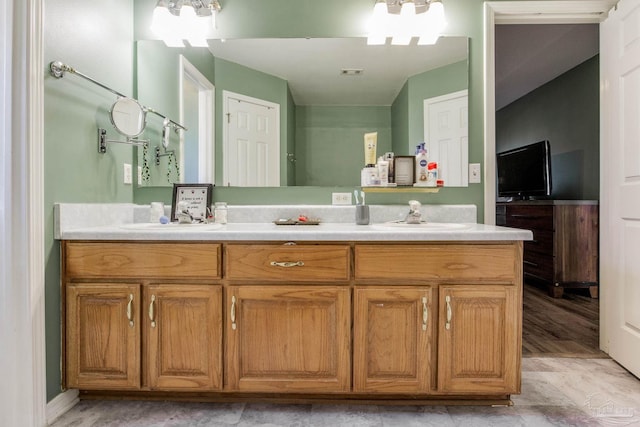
(330, 142)
(566, 111)
(97, 38)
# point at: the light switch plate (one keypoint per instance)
(127, 178)
(474, 173)
(340, 198)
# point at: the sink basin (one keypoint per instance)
(435, 226)
(153, 226)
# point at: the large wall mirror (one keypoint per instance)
(328, 94)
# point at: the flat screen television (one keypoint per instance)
(525, 172)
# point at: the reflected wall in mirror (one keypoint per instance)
(178, 82)
(324, 111)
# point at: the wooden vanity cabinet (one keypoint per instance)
(288, 323)
(103, 335)
(183, 346)
(392, 339)
(127, 329)
(479, 339)
(478, 315)
(288, 338)
(336, 320)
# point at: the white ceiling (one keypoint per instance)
(528, 56)
(312, 66)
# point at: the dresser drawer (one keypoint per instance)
(530, 217)
(142, 260)
(538, 265)
(437, 262)
(542, 242)
(287, 263)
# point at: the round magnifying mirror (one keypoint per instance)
(128, 117)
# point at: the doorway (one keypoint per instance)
(543, 333)
(197, 162)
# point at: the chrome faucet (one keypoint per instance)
(182, 213)
(414, 216)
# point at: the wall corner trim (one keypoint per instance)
(61, 404)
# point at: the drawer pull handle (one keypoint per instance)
(449, 314)
(233, 313)
(152, 311)
(425, 313)
(287, 264)
(522, 216)
(532, 264)
(130, 310)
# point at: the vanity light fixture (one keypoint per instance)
(177, 20)
(402, 20)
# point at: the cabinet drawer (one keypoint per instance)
(437, 262)
(142, 260)
(530, 217)
(316, 263)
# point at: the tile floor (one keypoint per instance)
(555, 392)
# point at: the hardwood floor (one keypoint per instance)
(560, 327)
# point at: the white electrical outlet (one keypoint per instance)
(474, 173)
(340, 198)
(127, 178)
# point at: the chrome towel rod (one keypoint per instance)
(57, 70)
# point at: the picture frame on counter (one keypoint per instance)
(197, 197)
(404, 168)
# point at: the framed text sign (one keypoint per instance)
(196, 198)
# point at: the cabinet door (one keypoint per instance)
(288, 339)
(102, 336)
(184, 342)
(479, 339)
(392, 339)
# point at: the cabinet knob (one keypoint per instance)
(447, 325)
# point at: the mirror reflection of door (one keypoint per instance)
(251, 146)
(446, 132)
(196, 113)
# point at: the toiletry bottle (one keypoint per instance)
(383, 171)
(421, 168)
(432, 174)
(370, 145)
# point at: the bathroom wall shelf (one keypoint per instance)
(400, 189)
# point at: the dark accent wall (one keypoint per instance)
(566, 111)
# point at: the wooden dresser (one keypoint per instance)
(564, 249)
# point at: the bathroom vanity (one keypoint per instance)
(335, 312)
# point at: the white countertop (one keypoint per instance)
(125, 228)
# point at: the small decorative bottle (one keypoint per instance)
(220, 212)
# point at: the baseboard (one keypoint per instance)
(61, 404)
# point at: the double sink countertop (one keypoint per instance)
(122, 221)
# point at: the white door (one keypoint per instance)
(446, 133)
(620, 183)
(251, 148)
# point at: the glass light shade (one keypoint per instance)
(405, 24)
(378, 26)
(165, 25)
(161, 20)
(432, 24)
